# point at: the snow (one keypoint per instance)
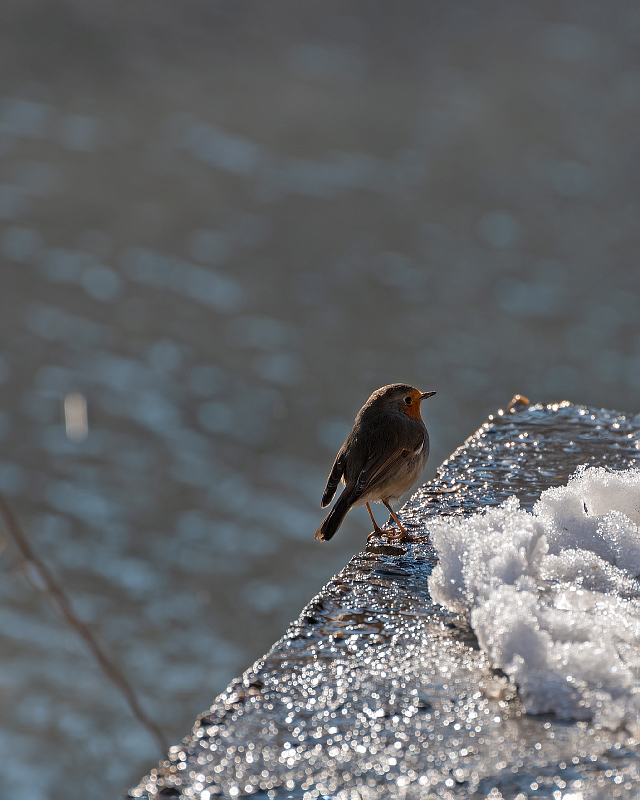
(553, 595)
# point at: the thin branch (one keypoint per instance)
(39, 574)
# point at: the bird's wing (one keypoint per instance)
(337, 471)
(380, 466)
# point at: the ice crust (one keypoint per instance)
(553, 595)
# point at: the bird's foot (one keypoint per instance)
(402, 537)
(394, 535)
(376, 532)
(399, 535)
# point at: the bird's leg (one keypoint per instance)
(403, 532)
(377, 530)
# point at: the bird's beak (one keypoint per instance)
(424, 395)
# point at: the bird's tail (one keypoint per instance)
(333, 520)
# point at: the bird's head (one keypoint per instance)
(401, 396)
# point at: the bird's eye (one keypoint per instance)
(408, 400)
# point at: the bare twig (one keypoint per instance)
(39, 574)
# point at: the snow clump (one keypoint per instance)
(553, 595)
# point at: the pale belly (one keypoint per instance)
(392, 490)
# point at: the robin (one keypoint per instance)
(382, 457)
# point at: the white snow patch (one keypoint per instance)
(553, 595)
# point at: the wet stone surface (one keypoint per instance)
(376, 692)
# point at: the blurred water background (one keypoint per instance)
(223, 223)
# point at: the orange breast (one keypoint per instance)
(413, 410)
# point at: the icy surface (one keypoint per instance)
(376, 691)
(552, 595)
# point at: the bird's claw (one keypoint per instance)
(400, 537)
(393, 534)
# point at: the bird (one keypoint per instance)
(381, 459)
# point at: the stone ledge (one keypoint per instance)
(377, 692)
